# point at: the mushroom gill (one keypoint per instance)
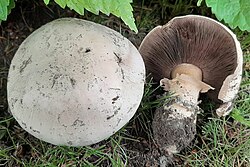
(192, 40)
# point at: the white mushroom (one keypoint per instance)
(74, 82)
(188, 56)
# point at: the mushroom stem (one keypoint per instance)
(186, 83)
(174, 124)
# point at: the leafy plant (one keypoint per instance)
(5, 8)
(119, 8)
(234, 12)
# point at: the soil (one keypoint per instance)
(173, 134)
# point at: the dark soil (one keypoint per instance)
(173, 134)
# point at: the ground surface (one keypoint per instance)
(219, 142)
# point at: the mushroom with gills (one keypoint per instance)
(188, 56)
(74, 82)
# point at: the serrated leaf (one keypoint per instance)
(4, 9)
(234, 12)
(127, 15)
(76, 5)
(93, 6)
(61, 3)
(105, 7)
(120, 8)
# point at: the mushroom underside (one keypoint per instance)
(192, 40)
(188, 56)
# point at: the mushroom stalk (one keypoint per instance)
(186, 83)
(178, 116)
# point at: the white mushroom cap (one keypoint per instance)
(74, 82)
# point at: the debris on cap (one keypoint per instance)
(74, 82)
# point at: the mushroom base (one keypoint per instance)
(173, 128)
(174, 124)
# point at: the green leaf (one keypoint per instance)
(119, 8)
(76, 5)
(125, 10)
(105, 7)
(234, 12)
(4, 9)
(46, 2)
(237, 115)
(2, 133)
(199, 2)
(91, 5)
(11, 5)
(61, 3)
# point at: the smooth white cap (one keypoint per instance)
(74, 82)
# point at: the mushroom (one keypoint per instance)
(74, 82)
(188, 56)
